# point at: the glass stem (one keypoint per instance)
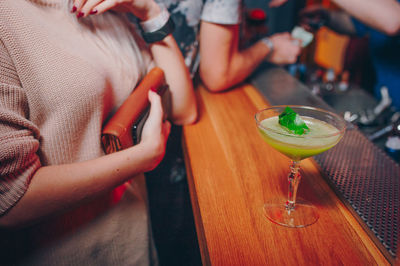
(294, 180)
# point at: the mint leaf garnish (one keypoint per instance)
(293, 122)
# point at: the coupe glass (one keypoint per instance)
(326, 130)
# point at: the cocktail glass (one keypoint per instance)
(326, 130)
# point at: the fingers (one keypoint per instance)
(157, 114)
(156, 111)
(143, 9)
(83, 8)
(77, 4)
(156, 130)
(103, 7)
(154, 125)
(89, 7)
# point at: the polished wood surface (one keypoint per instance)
(232, 171)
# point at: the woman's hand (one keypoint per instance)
(143, 9)
(156, 130)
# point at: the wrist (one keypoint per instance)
(152, 152)
(268, 43)
(155, 22)
(158, 27)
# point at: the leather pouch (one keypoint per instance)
(125, 127)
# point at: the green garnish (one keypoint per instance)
(293, 122)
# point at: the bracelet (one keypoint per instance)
(156, 29)
(267, 41)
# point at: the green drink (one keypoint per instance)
(298, 132)
(322, 136)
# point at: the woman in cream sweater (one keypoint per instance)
(64, 66)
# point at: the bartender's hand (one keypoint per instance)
(142, 9)
(286, 49)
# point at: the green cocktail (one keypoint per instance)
(324, 130)
(322, 136)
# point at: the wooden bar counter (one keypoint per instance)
(232, 171)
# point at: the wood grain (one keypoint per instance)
(232, 172)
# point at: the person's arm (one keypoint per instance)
(223, 65)
(168, 56)
(59, 187)
(383, 15)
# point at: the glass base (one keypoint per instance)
(304, 213)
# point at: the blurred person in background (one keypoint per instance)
(208, 34)
(64, 67)
(380, 21)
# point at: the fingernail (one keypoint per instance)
(73, 9)
(80, 14)
(153, 89)
(94, 11)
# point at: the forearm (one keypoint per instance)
(244, 62)
(167, 55)
(56, 188)
(222, 64)
(382, 15)
(237, 68)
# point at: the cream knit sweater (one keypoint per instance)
(57, 86)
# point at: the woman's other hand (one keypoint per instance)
(155, 131)
(142, 9)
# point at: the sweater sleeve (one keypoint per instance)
(226, 12)
(18, 136)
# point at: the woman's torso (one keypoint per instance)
(71, 86)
